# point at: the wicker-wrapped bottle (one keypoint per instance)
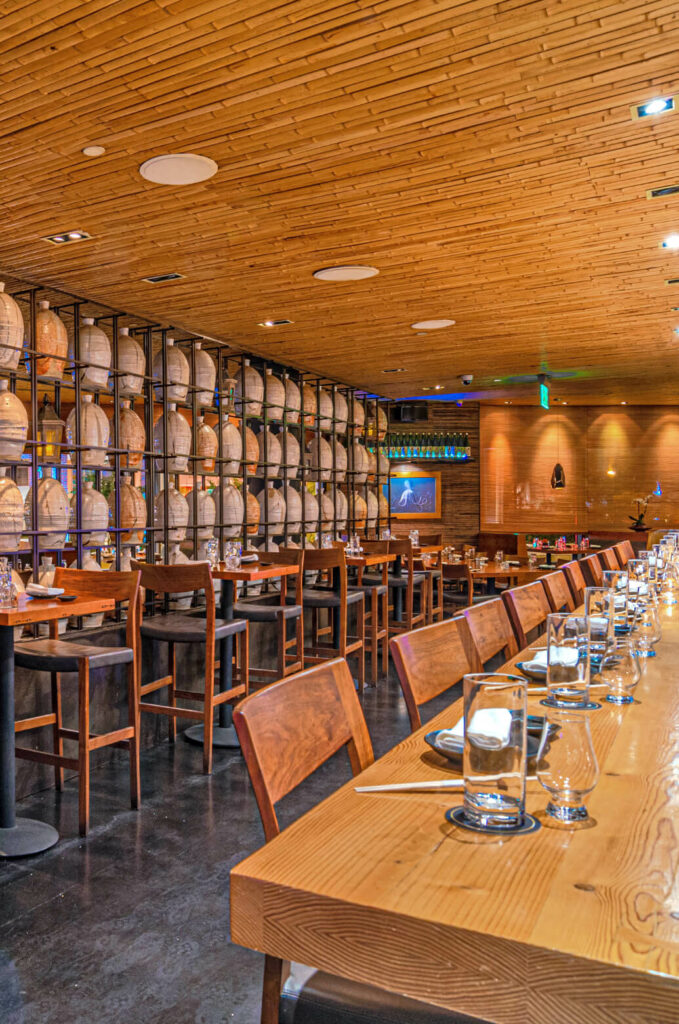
(11, 330)
(53, 513)
(11, 514)
(320, 457)
(232, 448)
(372, 509)
(357, 413)
(132, 436)
(251, 450)
(293, 400)
(310, 511)
(249, 390)
(131, 364)
(341, 412)
(341, 509)
(358, 510)
(178, 441)
(51, 341)
(132, 514)
(207, 446)
(274, 395)
(206, 375)
(290, 454)
(272, 510)
(232, 508)
(309, 405)
(13, 424)
(293, 503)
(359, 463)
(327, 513)
(176, 383)
(253, 512)
(94, 515)
(95, 431)
(325, 409)
(177, 513)
(95, 355)
(269, 448)
(206, 514)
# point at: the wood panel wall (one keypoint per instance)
(519, 445)
(460, 494)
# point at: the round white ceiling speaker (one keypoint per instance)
(432, 325)
(94, 151)
(178, 169)
(348, 273)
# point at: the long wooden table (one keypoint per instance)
(555, 927)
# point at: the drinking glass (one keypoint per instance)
(326, 540)
(494, 749)
(499, 557)
(212, 552)
(600, 613)
(532, 560)
(386, 534)
(234, 551)
(567, 661)
(620, 671)
(567, 767)
(646, 628)
(471, 554)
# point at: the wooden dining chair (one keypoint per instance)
(558, 592)
(528, 609)
(59, 657)
(575, 580)
(177, 628)
(375, 587)
(609, 559)
(432, 566)
(627, 551)
(621, 554)
(458, 585)
(491, 631)
(275, 610)
(592, 571)
(430, 660)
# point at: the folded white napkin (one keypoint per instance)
(560, 655)
(38, 590)
(490, 728)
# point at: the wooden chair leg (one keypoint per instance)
(208, 707)
(300, 640)
(271, 990)
(360, 632)
(245, 659)
(172, 699)
(374, 630)
(58, 743)
(134, 718)
(282, 640)
(84, 745)
(385, 638)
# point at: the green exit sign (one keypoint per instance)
(544, 396)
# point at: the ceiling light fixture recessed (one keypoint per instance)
(93, 151)
(355, 272)
(67, 237)
(438, 387)
(161, 278)
(395, 369)
(659, 105)
(274, 323)
(178, 169)
(431, 325)
(660, 193)
(623, 403)
(671, 242)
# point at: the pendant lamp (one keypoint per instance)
(558, 476)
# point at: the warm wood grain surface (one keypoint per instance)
(366, 560)
(44, 610)
(255, 571)
(551, 928)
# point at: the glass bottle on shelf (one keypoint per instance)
(467, 449)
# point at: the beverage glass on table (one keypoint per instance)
(567, 661)
(494, 750)
(600, 614)
(617, 582)
(620, 671)
(499, 557)
(646, 630)
(233, 553)
(470, 554)
(567, 767)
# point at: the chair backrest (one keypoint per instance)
(575, 580)
(287, 556)
(290, 728)
(628, 549)
(491, 631)
(609, 559)
(430, 660)
(459, 571)
(433, 539)
(177, 579)
(621, 554)
(592, 571)
(558, 592)
(375, 547)
(528, 609)
(118, 586)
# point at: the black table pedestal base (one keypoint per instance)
(28, 836)
(222, 736)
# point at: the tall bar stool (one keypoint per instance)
(406, 585)
(336, 599)
(432, 567)
(274, 609)
(376, 605)
(175, 628)
(64, 656)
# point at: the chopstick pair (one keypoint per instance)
(411, 787)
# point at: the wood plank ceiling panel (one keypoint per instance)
(482, 155)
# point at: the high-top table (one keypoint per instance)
(555, 927)
(22, 836)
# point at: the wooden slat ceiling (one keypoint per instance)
(481, 155)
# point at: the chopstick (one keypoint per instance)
(413, 787)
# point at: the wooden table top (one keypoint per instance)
(428, 549)
(367, 559)
(492, 571)
(254, 571)
(556, 927)
(45, 609)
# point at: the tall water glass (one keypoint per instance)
(600, 613)
(494, 750)
(567, 661)
(617, 580)
(567, 767)
(620, 672)
(646, 628)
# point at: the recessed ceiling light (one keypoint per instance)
(660, 193)
(623, 403)
(659, 105)
(178, 169)
(395, 369)
(438, 387)
(508, 403)
(67, 237)
(431, 325)
(671, 242)
(274, 323)
(94, 151)
(161, 278)
(354, 272)
(610, 472)
(497, 380)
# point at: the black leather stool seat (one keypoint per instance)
(396, 581)
(324, 597)
(367, 588)
(331, 1000)
(185, 629)
(260, 611)
(62, 656)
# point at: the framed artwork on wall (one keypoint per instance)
(415, 494)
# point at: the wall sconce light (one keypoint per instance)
(50, 433)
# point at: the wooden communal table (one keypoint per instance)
(368, 560)
(22, 836)
(223, 732)
(556, 927)
(575, 553)
(514, 575)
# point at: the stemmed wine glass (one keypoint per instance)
(567, 767)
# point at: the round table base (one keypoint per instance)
(28, 836)
(221, 736)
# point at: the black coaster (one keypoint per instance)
(589, 706)
(455, 815)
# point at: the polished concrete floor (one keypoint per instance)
(131, 925)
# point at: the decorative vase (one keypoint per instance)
(176, 385)
(251, 450)
(379, 418)
(310, 510)
(382, 464)
(269, 448)
(131, 364)
(341, 509)
(325, 409)
(11, 514)
(232, 509)
(359, 463)
(177, 513)
(320, 457)
(94, 515)
(132, 436)
(274, 395)
(290, 453)
(357, 413)
(11, 330)
(13, 424)
(205, 514)
(178, 447)
(206, 376)
(253, 513)
(358, 510)
(53, 513)
(340, 461)
(272, 510)
(95, 355)
(95, 431)
(341, 413)
(383, 507)
(232, 448)
(207, 446)
(293, 503)
(132, 514)
(51, 341)
(372, 508)
(309, 405)
(293, 400)
(327, 513)
(249, 390)
(372, 464)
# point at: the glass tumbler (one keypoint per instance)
(600, 614)
(620, 671)
(646, 628)
(567, 767)
(567, 661)
(494, 750)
